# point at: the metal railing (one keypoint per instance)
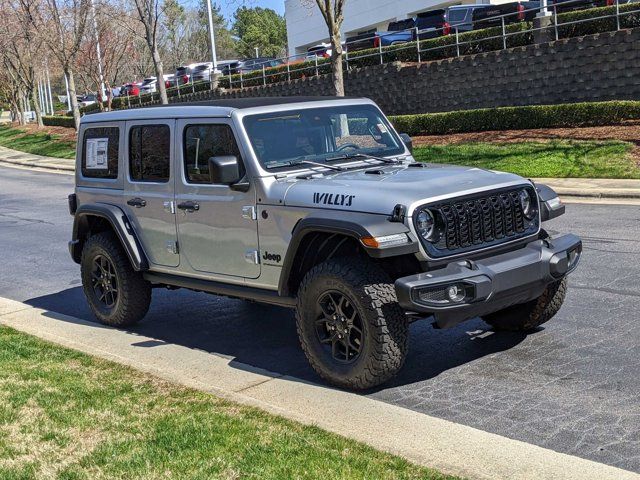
(418, 45)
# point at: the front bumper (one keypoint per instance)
(466, 289)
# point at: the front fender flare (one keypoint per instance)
(120, 225)
(351, 224)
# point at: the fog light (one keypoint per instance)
(456, 293)
(444, 294)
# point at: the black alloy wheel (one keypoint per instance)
(104, 281)
(339, 326)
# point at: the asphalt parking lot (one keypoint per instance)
(572, 386)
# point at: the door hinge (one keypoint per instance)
(249, 212)
(252, 256)
(172, 247)
(169, 207)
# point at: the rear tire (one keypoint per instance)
(351, 328)
(530, 315)
(117, 294)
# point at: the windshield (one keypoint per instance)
(325, 135)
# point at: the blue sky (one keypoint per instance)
(230, 6)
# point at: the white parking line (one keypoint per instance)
(446, 446)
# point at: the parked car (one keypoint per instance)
(182, 75)
(322, 50)
(229, 67)
(314, 204)
(86, 100)
(149, 85)
(460, 17)
(513, 12)
(131, 89)
(432, 24)
(201, 71)
(251, 64)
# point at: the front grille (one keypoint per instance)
(480, 221)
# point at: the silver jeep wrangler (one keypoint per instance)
(314, 204)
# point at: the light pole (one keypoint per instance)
(212, 38)
(95, 29)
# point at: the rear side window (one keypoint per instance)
(150, 153)
(202, 142)
(100, 147)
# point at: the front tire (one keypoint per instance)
(117, 294)
(530, 315)
(351, 328)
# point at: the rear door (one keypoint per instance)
(149, 188)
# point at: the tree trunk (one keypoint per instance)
(336, 64)
(35, 99)
(157, 62)
(23, 109)
(72, 96)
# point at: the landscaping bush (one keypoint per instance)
(629, 18)
(58, 121)
(516, 118)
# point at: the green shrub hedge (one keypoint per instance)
(517, 118)
(58, 121)
(629, 18)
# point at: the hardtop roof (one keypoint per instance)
(221, 107)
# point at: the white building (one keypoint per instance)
(306, 27)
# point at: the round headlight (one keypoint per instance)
(527, 204)
(425, 224)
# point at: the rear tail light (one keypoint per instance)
(376, 42)
(185, 79)
(521, 12)
(611, 2)
(167, 84)
(446, 28)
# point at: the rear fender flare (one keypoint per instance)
(119, 223)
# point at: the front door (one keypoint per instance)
(217, 226)
(149, 183)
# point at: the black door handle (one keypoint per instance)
(189, 206)
(137, 202)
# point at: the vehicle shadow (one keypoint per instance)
(264, 337)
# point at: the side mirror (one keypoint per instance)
(224, 169)
(407, 141)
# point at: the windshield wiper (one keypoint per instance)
(309, 162)
(364, 156)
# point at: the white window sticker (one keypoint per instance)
(382, 128)
(96, 154)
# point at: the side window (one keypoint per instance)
(150, 153)
(202, 142)
(100, 146)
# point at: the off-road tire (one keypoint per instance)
(384, 343)
(134, 293)
(528, 316)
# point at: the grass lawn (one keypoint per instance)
(66, 415)
(557, 158)
(37, 143)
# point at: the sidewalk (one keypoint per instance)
(36, 162)
(449, 447)
(595, 188)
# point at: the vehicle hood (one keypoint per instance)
(379, 189)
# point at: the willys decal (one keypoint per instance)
(333, 199)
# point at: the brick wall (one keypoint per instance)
(598, 67)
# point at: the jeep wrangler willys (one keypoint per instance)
(314, 204)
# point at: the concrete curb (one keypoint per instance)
(53, 167)
(446, 446)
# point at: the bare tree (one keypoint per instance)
(333, 14)
(149, 15)
(64, 22)
(22, 47)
